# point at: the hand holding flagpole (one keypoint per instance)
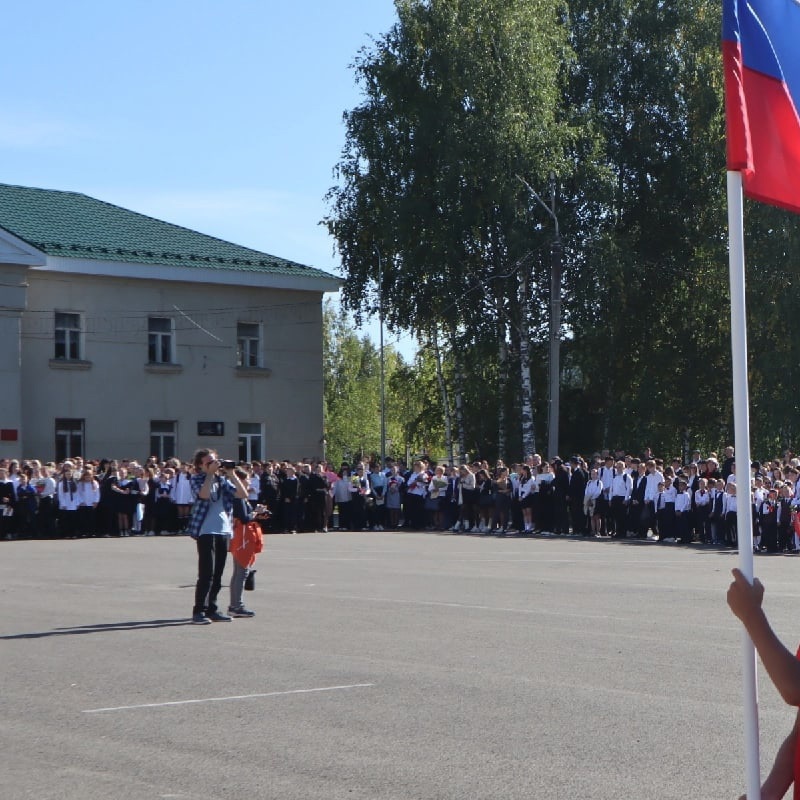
(762, 95)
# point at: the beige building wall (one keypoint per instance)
(118, 393)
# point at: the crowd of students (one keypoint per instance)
(615, 496)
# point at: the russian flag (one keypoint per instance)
(761, 56)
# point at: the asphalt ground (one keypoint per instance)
(381, 666)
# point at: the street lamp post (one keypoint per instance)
(553, 406)
(555, 331)
(383, 364)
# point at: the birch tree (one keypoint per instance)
(460, 97)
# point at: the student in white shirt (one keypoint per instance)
(683, 513)
(527, 489)
(729, 510)
(591, 506)
(702, 508)
(67, 492)
(88, 498)
(620, 494)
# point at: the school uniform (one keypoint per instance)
(591, 494)
(620, 494)
(730, 513)
(683, 517)
(702, 510)
(67, 493)
(606, 476)
(651, 481)
(577, 505)
(88, 498)
(637, 515)
(545, 510)
(716, 517)
(758, 496)
(768, 520)
(784, 515)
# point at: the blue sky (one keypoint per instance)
(221, 115)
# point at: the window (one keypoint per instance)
(159, 340)
(68, 336)
(69, 438)
(163, 438)
(248, 344)
(250, 441)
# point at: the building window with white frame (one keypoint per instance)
(69, 438)
(160, 340)
(163, 438)
(248, 344)
(67, 336)
(251, 438)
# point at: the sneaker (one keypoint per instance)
(200, 619)
(218, 616)
(241, 612)
(456, 528)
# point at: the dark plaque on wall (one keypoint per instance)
(210, 428)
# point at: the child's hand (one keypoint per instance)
(744, 598)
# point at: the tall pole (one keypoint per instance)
(383, 364)
(555, 332)
(553, 405)
(741, 422)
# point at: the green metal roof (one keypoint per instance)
(74, 225)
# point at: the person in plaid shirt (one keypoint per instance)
(214, 489)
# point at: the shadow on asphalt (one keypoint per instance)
(138, 625)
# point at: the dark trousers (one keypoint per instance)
(46, 518)
(647, 518)
(683, 527)
(86, 525)
(731, 529)
(619, 514)
(560, 515)
(212, 552)
(702, 523)
(345, 515)
(577, 515)
(769, 535)
(291, 513)
(67, 524)
(415, 511)
(784, 537)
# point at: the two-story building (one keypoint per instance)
(124, 336)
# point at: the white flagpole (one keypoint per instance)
(741, 421)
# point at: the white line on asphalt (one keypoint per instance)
(233, 697)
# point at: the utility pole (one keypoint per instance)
(555, 319)
(383, 364)
(555, 330)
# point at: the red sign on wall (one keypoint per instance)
(8, 434)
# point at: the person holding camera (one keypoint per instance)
(215, 485)
(246, 544)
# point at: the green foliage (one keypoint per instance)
(623, 101)
(352, 397)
